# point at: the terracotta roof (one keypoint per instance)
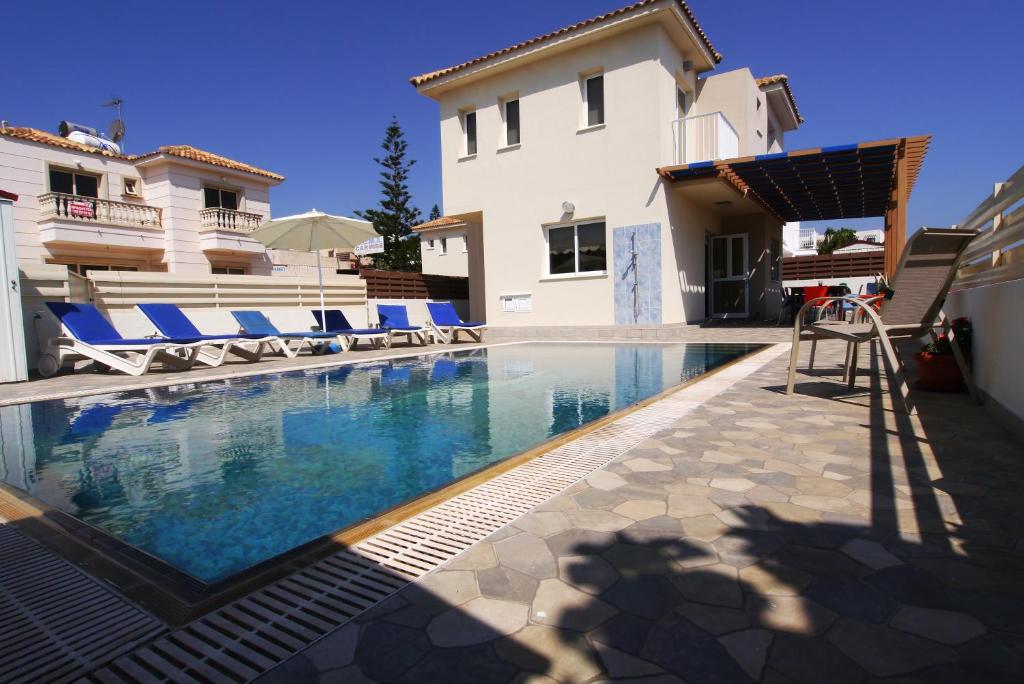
(183, 151)
(442, 222)
(424, 78)
(784, 80)
(195, 154)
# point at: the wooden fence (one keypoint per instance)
(825, 266)
(996, 255)
(401, 285)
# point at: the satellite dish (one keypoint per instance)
(116, 130)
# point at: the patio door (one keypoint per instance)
(729, 276)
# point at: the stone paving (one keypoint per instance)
(821, 537)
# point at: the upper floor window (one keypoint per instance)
(430, 243)
(469, 133)
(72, 183)
(511, 112)
(683, 103)
(444, 245)
(228, 270)
(593, 94)
(577, 248)
(217, 197)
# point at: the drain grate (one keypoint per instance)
(56, 623)
(239, 642)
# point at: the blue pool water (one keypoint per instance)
(216, 477)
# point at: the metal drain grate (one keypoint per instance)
(55, 622)
(239, 642)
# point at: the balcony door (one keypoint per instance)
(730, 291)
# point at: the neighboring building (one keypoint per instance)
(549, 155)
(800, 240)
(444, 246)
(177, 209)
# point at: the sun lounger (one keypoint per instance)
(88, 335)
(395, 319)
(447, 324)
(256, 323)
(171, 322)
(347, 335)
(923, 276)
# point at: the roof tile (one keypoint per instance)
(784, 80)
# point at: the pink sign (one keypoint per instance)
(80, 209)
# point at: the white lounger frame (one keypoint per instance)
(59, 350)
(449, 334)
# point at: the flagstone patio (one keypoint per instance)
(821, 537)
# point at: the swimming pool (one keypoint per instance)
(214, 478)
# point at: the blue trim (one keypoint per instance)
(840, 148)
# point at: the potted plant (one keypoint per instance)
(936, 366)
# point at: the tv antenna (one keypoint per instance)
(116, 129)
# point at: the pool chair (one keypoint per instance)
(255, 323)
(171, 322)
(447, 324)
(86, 334)
(347, 335)
(920, 284)
(395, 320)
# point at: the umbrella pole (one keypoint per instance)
(320, 279)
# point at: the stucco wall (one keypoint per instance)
(453, 263)
(736, 95)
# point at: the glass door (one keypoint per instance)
(729, 274)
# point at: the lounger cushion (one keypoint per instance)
(338, 324)
(445, 316)
(85, 322)
(395, 317)
(170, 321)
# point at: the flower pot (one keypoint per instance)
(939, 372)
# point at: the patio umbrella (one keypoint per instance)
(312, 232)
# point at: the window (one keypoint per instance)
(511, 122)
(683, 102)
(776, 257)
(228, 270)
(430, 243)
(593, 93)
(444, 245)
(71, 183)
(216, 197)
(469, 131)
(465, 244)
(131, 187)
(577, 248)
(83, 269)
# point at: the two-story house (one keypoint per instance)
(177, 209)
(549, 156)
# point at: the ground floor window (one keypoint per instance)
(577, 248)
(83, 268)
(229, 270)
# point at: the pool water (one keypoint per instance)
(219, 476)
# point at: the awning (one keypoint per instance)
(846, 181)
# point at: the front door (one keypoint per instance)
(729, 273)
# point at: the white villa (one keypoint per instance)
(178, 209)
(800, 240)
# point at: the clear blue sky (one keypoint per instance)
(306, 89)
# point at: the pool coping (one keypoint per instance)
(178, 598)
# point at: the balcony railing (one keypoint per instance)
(216, 218)
(704, 137)
(57, 205)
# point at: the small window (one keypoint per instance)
(444, 245)
(577, 248)
(511, 122)
(683, 102)
(430, 243)
(131, 187)
(70, 183)
(469, 131)
(217, 197)
(228, 270)
(594, 93)
(776, 257)
(465, 244)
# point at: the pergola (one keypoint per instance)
(847, 181)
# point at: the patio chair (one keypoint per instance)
(256, 323)
(395, 319)
(347, 335)
(923, 276)
(88, 335)
(170, 321)
(447, 324)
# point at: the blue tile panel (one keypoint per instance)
(636, 260)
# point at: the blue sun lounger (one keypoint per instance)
(171, 322)
(256, 323)
(448, 325)
(347, 335)
(395, 319)
(88, 335)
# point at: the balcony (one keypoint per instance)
(76, 219)
(704, 137)
(227, 230)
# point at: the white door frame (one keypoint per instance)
(731, 277)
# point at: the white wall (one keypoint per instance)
(455, 262)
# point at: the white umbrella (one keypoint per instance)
(312, 232)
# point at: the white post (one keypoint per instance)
(320, 279)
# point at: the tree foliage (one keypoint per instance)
(395, 215)
(835, 238)
(435, 213)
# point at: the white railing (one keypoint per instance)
(704, 137)
(57, 205)
(996, 255)
(216, 218)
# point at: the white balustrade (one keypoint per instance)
(217, 218)
(58, 205)
(704, 137)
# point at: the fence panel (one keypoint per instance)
(402, 285)
(825, 266)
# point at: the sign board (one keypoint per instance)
(280, 268)
(80, 209)
(374, 245)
